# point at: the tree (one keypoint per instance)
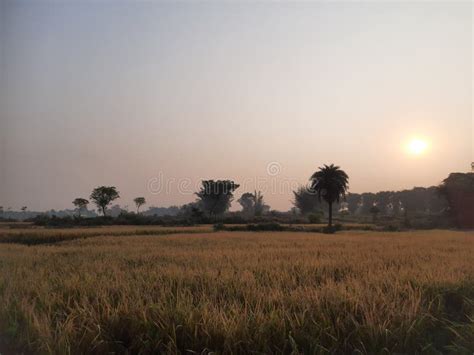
(436, 203)
(414, 200)
(139, 201)
(215, 196)
(253, 204)
(395, 204)
(81, 204)
(192, 211)
(458, 189)
(383, 200)
(247, 202)
(103, 196)
(305, 200)
(259, 204)
(368, 199)
(330, 183)
(116, 211)
(353, 201)
(374, 210)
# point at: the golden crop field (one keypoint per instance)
(241, 292)
(24, 233)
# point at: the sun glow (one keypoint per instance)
(417, 146)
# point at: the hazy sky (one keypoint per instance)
(119, 93)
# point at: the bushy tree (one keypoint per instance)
(102, 196)
(436, 202)
(192, 211)
(368, 200)
(331, 184)
(215, 197)
(353, 201)
(458, 189)
(247, 202)
(139, 201)
(80, 204)
(306, 201)
(383, 200)
(260, 206)
(116, 210)
(253, 204)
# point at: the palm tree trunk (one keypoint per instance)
(330, 215)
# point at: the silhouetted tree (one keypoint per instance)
(80, 204)
(253, 204)
(139, 201)
(102, 196)
(331, 184)
(458, 189)
(192, 211)
(414, 200)
(215, 196)
(436, 202)
(260, 206)
(247, 202)
(305, 200)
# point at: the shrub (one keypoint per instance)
(391, 228)
(219, 227)
(329, 230)
(260, 227)
(314, 218)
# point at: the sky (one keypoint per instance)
(153, 97)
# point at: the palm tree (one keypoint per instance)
(330, 183)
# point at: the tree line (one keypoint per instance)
(214, 198)
(326, 194)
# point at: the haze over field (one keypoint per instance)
(102, 93)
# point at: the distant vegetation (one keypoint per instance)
(449, 205)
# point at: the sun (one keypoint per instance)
(417, 146)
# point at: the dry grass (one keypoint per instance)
(368, 292)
